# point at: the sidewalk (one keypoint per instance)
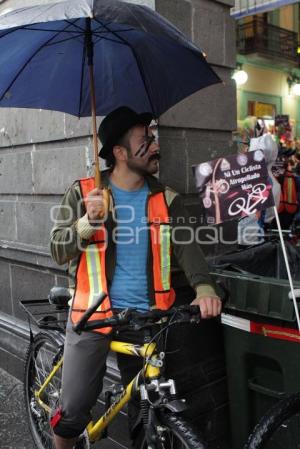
(14, 433)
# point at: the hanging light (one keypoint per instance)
(296, 89)
(240, 76)
(294, 85)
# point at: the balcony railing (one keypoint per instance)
(268, 40)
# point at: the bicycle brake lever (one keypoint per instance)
(137, 327)
(124, 316)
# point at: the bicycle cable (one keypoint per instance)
(163, 329)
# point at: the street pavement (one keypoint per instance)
(14, 432)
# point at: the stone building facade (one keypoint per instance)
(42, 152)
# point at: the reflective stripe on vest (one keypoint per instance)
(165, 256)
(160, 231)
(288, 199)
(91, 276)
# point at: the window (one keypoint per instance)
(261, 110)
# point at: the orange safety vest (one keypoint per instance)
(288, 198)
(91, 274)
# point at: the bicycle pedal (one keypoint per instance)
(107, 399)
(117, 389)
(109, 395)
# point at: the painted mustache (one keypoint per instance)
(155, 156)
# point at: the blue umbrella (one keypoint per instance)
(88, 57)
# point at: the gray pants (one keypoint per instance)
(85, 363)
(82, 378)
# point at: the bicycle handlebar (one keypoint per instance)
(138, 320)
(78, 327)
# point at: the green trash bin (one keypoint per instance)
(262, 347)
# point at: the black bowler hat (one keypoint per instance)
(116, 124)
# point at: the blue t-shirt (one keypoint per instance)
(129, 285)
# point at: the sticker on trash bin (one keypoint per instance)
(234, 186)
(264, 329)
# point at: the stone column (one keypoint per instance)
(199, 128)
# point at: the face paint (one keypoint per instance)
(145, 146)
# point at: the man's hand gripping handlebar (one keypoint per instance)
(135, 320)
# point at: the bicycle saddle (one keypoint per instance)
(59, 296)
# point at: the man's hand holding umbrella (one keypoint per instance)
(96, 206)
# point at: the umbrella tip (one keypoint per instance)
(204, 55)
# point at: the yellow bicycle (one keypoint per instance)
(162, 425)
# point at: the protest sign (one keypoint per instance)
(234, 186)
(282, 120)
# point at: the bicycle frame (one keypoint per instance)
(150, 371)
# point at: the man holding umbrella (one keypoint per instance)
(111, 240)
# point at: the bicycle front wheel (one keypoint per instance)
(42, 355)
(174, 433)
(279, 428)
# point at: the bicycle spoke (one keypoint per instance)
(170, 441)
(42, 365)
(39, 367)
(37, 371)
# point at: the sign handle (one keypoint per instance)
(287, 267)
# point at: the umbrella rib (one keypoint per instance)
(12, 30)
(27, 62)
(63, 40)
(81, 79)
(47, 30)
(136, 59)
(98, 30)
(107, 24)
(109, 39)
(108, 31)
(76, 26)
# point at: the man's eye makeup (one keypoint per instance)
(145, 146)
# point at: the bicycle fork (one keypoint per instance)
(165, 391)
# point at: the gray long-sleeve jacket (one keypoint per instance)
(188, 263)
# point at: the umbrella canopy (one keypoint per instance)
(139, 59)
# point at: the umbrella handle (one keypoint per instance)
(97, 173)
(90, 60)
(98, 183)
(106, 201)
(95, 138)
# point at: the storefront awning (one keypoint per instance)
(245, 8)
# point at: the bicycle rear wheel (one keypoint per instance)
(42, 354)
(175, 433)
(279, 428)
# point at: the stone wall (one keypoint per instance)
(199, 128)
(42, 152)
